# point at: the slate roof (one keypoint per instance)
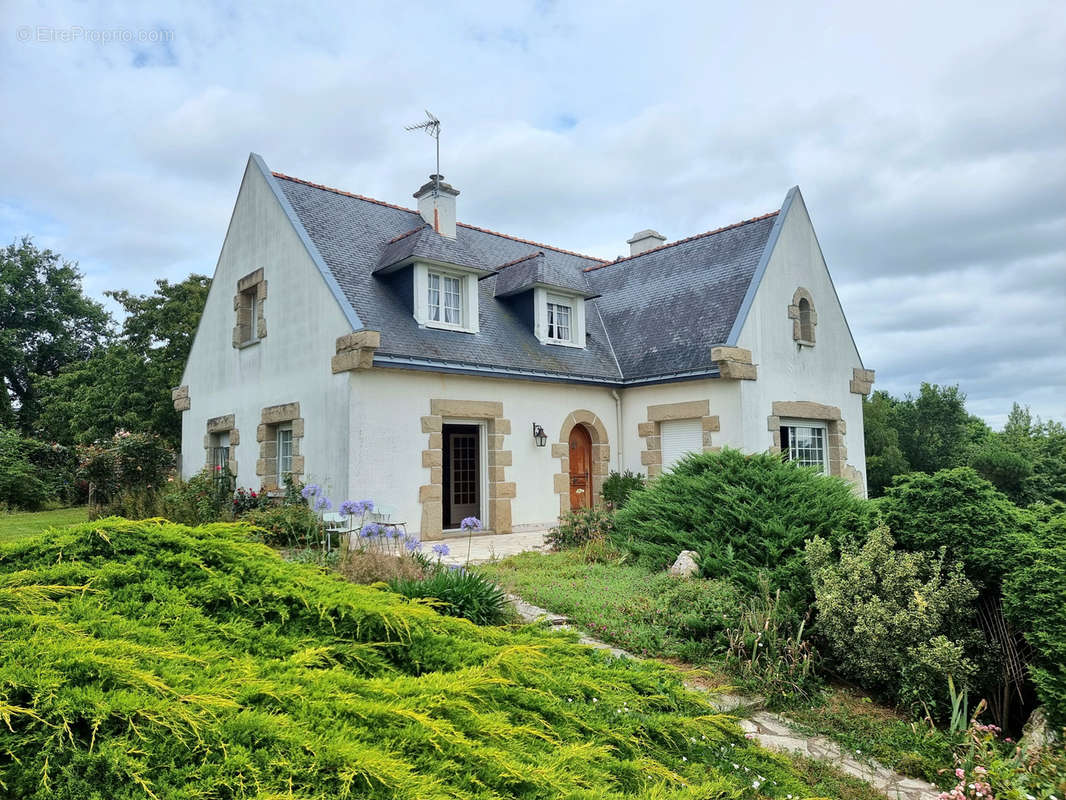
(539, 269)
(665, 308)
(655, 315)
(424, 242)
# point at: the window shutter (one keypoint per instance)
(679, 437)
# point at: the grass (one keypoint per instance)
(632, 608)
(148, 659)
(18, 524)
(853, 720)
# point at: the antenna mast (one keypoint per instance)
(431, 125)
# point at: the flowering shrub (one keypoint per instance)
(203, 498)
(988, 767)
(581, 527)
(126, 463)
(245, 500)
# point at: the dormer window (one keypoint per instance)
(559, 318)
(560, 313)
(445, 298)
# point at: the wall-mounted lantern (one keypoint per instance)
(539, 436)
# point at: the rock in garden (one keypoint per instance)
(686, 566)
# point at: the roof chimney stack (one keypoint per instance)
(645, 240)
(436, 204)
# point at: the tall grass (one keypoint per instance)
(148, 659)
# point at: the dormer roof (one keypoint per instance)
(425, 244)
(540, 269)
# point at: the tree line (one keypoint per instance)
(933, 430)
(71, 372)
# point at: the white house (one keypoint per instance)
(446, 370)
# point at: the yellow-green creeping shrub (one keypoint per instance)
(148, 659)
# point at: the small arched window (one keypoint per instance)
(806, 329)
(803, 316)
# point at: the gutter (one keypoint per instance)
(460, 368)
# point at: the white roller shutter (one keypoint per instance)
(679, 437)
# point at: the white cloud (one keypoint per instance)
(927, 139)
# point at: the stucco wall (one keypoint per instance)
(387, 440)
(723, 401)
(788, 371)
(290, 364)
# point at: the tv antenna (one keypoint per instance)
(431, 125)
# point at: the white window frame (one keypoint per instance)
(793, 452)
(541, 298)
(468, 298)
(282, 472)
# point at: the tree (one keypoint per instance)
(46, 323)
(884, 458)
(935, 432)
(127, 386)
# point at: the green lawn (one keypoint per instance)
(652, 614)
(26, 523)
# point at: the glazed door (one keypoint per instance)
(464, 479)
(580, 468)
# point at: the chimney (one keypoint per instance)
(645, 240)
(438, 211)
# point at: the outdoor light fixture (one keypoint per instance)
(539, 435)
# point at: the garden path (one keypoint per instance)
(490, 546)
(770, 730)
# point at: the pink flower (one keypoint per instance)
(959, 773)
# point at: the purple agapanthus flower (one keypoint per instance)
(441, 549)
(413, 545)
(370, 530)
(353, 507)
(470, 524)
(323, 503)
(310, 490)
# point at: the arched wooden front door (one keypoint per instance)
(580, 468)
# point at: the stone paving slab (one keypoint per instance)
(489, 546)
(770, 730)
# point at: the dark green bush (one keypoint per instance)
(742, 514)
(581, 527)
(292, 526)
(56, 466)
(960, 510)
(459, 594)
(1034, 599)
(619, 486)
(20, 485)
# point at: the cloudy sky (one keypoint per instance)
(929, 140)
